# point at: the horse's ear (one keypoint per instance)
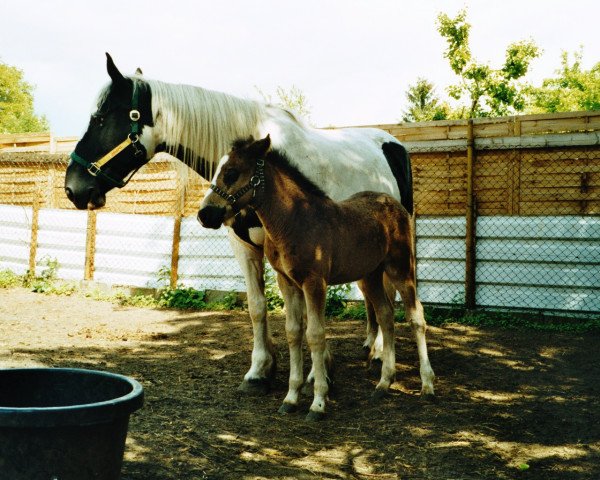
(113, 71)
(138, 71)
(260, 147)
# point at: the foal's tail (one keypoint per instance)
(399, 162)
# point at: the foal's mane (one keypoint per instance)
(281, 161)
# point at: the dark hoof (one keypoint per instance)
(429, 397)
(379, 394)
(315, 416)
(287, 408)
(255, 386)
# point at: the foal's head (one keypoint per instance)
(238, 177)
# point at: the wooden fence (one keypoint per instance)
(539, 167)
(523, 165)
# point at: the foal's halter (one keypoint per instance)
(133, 139)
(255, 180)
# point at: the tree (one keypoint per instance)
(572, 89)
(490, 92)
(424, 104)
(16, 103)
(292, 99)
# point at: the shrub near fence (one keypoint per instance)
(508, 215)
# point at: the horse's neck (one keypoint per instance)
(198, 126)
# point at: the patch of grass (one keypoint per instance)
(8, 279)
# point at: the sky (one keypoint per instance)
(353, 59)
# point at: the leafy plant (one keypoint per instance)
(9, 279)
(272, 294)
(336, 299)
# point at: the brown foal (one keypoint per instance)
(312, 241)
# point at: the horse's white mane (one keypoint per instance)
(204, 122)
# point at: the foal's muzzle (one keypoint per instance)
(211, 216)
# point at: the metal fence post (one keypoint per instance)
(471, 219)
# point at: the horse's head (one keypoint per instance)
(118, 141)
(235, 182)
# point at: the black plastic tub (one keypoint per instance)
(64, 423)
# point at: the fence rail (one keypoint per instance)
(508, 213)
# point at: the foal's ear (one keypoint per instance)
(260, 147)
(113, 72)
(138, 71)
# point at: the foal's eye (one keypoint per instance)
(231, 176)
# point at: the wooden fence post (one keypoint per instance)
(90, 246)
(471, 220)
(33, 243)
(179, 211)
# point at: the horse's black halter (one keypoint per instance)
(255, 180)
(133, 139)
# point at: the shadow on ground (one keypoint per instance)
(511, 405)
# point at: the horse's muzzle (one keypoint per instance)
(211, 216)
(90, 198)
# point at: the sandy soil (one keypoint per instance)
(506, 398)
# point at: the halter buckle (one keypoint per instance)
(93, 169)
(254, 181)
(134, 115)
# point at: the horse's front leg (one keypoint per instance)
(294, 330)
(314, 293)
(258, 379)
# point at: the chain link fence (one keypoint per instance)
(505, 220)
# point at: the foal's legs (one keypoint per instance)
(372, 287)
(374, 342)
(315, 290)
(294, 330)
(258, 379)
(414, 315)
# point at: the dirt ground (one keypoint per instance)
(512, 404)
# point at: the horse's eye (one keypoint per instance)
(231, 176)
(97, 120)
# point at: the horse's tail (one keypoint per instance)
(399, 162)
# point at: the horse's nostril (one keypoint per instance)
(69, 193)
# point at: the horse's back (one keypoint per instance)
(341, 161)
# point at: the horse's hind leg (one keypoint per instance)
(415, 316)
(258, 379)
(372, 287)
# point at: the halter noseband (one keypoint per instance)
(255, 180)
(133, 139)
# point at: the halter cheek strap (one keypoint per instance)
(255, 180)
(95, 168)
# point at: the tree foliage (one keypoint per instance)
(16, 103)
(292, 99)
(572, 88)
(424, 104)
(488, 91)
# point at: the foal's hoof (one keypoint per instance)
(255, 386)
(315, 416)
(378, 395)
(429, 397)
(287, 408)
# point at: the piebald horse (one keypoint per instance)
(136, 117)
(312, 242)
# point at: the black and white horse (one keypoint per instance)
(138, 117)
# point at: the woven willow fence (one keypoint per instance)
(508, 212)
